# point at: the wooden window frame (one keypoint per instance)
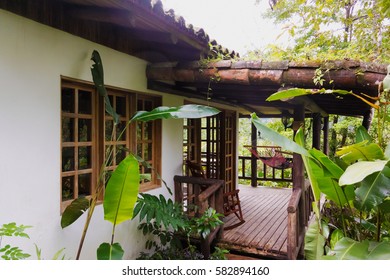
(76, 144)
(156, 141)
(99, 142)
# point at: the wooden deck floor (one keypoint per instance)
(264, 232)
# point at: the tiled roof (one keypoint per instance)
(142, 28)
(170, 16)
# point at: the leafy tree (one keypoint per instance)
(333, 29)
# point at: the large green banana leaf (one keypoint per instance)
(98, 79)
(74, 211)
(315, 241)
(373, 190)
(122, 191)
(358, 171)
(362, 135)
(108, 251)
(185, 111)
(296, 92)
(349, 249)
(360, 151)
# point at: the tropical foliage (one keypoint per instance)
(9, 252)
(354, 223)
(355, 29)
(169, 229)
(122, 188)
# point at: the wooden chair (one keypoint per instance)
(231, 200)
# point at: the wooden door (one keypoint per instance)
(212, 142)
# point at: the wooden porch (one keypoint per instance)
(264, 233)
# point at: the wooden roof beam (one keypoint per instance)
(186, 92)
(136, 16)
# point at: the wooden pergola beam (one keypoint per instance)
(292, 76)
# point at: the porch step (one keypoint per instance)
(240, 257)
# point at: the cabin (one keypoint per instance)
(151, 58)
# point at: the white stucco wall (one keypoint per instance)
(32, 59)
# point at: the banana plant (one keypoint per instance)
(361, 184)
(122, 188)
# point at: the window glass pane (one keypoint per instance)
(140, 105)
(67, 129)
(147, 171)
(68, 159)
(109, 153)
(119, 128)
(85, 157)
(108, 130)
(121, 105)
(120, 153)
(148, 130)
(85, 183)
(85, 130)
(139, 150)
(67, 100)
(147, 151)
(67, 188)
(148, 105)
(139, 130)
(85, 102)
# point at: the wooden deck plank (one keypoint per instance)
(267, 238)
(254, 220)
(268, 232)
(264, 232)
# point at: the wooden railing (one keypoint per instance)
(299, 211)
(197, 195)
(268, 173)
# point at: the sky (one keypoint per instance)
(235, 24)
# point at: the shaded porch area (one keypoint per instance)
(264, 233)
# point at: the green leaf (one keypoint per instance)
(280, 140)
(146, 177)
(186, 111)
(98, 79)
(74, 211)
(360, 170)
(385, 207)
(288, 94)
(387, 151)
(335, 237)
(11, 229)
(122, 191)
(373, 190)
(362, 135)
(296, 92)
(333, 191)
(349, 249)
(137, 208)
(330, 168)
(360, 151)
(379, 251)
(107, 251)
(314, 242)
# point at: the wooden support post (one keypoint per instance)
(253, 158)
(298, 183)
(298, 172)
(326, 136)
(317, 131)
(367, 119)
